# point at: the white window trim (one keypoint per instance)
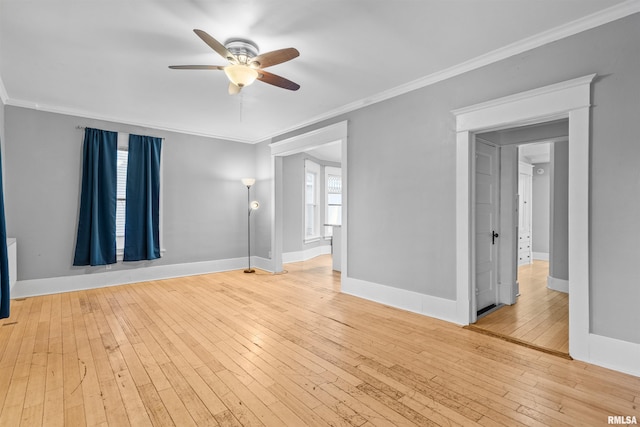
(328, 170)
(123, 145)
(313, 167)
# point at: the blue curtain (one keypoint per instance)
(4, 260)
(96, 242)
(141, 230)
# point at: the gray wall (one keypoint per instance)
(2, 107)
(401, 172)
(540, 208)
(263, 189)
(559, 215)
(203, 200)
(293, 202)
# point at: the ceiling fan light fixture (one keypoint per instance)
(246, 64)
(241, 75)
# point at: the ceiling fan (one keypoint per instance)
(245, 63)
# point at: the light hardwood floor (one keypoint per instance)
(540, 317)
(278, 350)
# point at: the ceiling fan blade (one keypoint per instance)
(234, 89)
(274, 57)
(276, 80)
(196, 67)
(216, 45)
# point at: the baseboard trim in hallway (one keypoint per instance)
(518, 342)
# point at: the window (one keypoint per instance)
(121, 193)
(333, 198)
(311, 201)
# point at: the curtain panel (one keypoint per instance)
(141, 235)
(96, 240)
(5, 284)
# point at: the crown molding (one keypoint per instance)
(91, 115)
(585, 23)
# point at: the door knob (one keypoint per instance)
(493, 237)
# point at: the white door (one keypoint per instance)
(486, 231)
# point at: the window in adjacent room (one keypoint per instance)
(333, 198)
(311, 201)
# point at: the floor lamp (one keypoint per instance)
(252, 206)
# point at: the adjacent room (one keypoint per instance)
(319, 213)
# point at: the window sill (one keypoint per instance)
(311, 240)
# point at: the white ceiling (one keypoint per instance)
(331, 152)
(108, 59)
(535, 153)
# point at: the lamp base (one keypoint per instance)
(249, 270)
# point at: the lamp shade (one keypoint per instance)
(241, 75)
(248, 181)
(254, 205)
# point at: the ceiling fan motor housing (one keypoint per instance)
(243, 49)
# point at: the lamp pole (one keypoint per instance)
(249, 182)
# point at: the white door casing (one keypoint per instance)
(486, 223)
(298, 144)
(570, 99)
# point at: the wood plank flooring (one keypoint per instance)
(278, 350)
(540, 317)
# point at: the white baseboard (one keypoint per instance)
(542, 256)
(55, 285)
(611, 353)
(427, 305)
(265, 264)
(306, 254)
(559, 285)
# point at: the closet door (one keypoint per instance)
(525, 182)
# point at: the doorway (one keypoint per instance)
(569, 99)
(537, 314)
(318, 143)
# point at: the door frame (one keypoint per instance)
(569, 99)
(298, 144)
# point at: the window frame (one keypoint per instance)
(330, 171)
(314, 168)
(123, 146)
